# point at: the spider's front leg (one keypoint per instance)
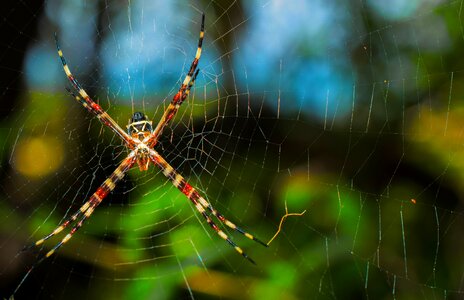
(201, 204)
(89, 104)
(181, 95)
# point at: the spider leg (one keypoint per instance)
(76, 227)
(63, 225)
(89, 104)
(77, 98)
(180, 96)
(169, 114)
(85, 212)
(88, 207)
(221, 218)
(187, 90)
(199, 202)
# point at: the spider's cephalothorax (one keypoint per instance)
(139, 127)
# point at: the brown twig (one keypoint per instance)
(282, 221)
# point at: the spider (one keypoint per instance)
(140, 140)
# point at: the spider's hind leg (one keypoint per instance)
(199, 202)
(62, 226)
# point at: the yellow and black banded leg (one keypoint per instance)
(76, 227)
(221, 218)
(87, 214)
(84, 212)
(168, 114)
(62, 226)
(180, 96)
(79, 99)
(194, 64)
(179, 182)
(187, 90)
(89, 104)
(87, 208)
(86, 101)
(191, 192)
(221, 233)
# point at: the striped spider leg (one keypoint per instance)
(181, 95)
(89, 104)
(83, 213)
(201, 204)
(86, 210)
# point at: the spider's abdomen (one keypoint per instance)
(139, 127)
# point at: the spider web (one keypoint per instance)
(350, 111)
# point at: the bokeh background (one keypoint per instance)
(348, 110)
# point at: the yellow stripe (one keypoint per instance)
(49, 253)
(85, 206)
(118, 173)
(186, 80)
(89, 212)
(66, 238)
(167, 170)
(222, 234)
(200, 208)
(66, 70)
(177, 180)
(58, 230)
(203, 201)
(107, 116)
(110, 184)
(239, 250)
(83, 93)
(202, 33)
(230, 224)
(197, 56)
(60, 53)
(39, 242)
(249, 236)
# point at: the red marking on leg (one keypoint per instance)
(187, 189)
(96, 106)
(176, 97)
(155, 159)
(101, 192)
(170, 116)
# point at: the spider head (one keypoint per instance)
(139, 127)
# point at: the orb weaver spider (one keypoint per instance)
(140, 138)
